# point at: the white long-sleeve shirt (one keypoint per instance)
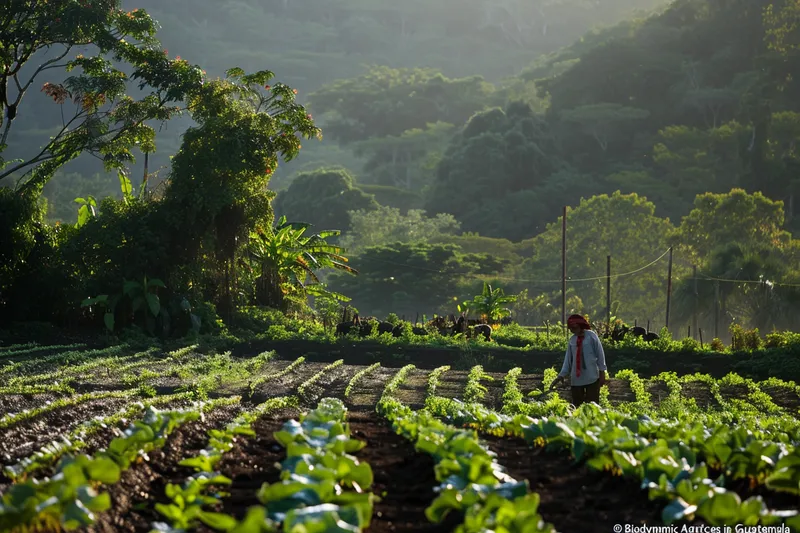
(593, 359)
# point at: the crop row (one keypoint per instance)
(361, 374)
(471, 481)
(189, 501)
(670, 456)
(77, 438)
(12, 418)
(302, 390)
(69, 499)
(275, 375)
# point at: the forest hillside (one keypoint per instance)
(453, 137)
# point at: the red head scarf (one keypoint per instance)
(578, 320)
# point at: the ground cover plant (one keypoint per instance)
(262, 442)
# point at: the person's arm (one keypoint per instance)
(565, 369)
(601, 358)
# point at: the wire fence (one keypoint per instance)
(654, 263)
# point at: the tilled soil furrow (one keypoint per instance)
(699, 392)
(284, 385)
(331, 384)
(93, 443)
(528, 382)
(412, 391)
(574, 498)
(141, 486)
(784, 398)
(30, 435)
(619, 391)
(250, 464)
(493, 399)
(14, 403)
(368, 390)
(404, 479)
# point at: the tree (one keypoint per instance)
(105, 122)
(323, 198)
(750, 295)
(407, 278)
(407, 160)
(490, 303)
(387, 102)
(387, 225)
(603, 121)
(691, 161)
(487, 175)
(621, 225)
(191, 234)
(733, 217)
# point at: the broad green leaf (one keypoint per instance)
(104, 470)
(154, 303)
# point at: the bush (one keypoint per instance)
(775, 340)
(752, 340)
(690, 345)
(717, 345)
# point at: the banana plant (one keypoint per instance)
(287, 258)
(491, 303)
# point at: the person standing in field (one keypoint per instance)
(584, 363)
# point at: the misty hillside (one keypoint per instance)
(308, 44)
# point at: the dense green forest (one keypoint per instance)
(452, 137)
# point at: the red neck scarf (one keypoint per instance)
(578, 320)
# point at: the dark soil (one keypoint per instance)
(528, 383)
(783, 397)
(619, 391)
(658, 391)
(494, 392)
(368, 390)
(250, 464)
(702, 396)
(574, 498)
(452, 384)
(734, 391)
(93, 443)
(331, 384)
(134, 497)
(14, 403)
(412, 391)
(30, 435)
(283, 385)
(404, 478)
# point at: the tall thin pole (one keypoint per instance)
(716, 309)
(694, 313)
(146, 174)
(669, 286)
(564, 266)
(608, 290)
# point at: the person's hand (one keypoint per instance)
(602, 378)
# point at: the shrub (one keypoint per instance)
(717, 345)
(775, 340)
(752, 340)
(689, 345)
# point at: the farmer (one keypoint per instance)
(584, 362)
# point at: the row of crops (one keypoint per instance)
(685, 456)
